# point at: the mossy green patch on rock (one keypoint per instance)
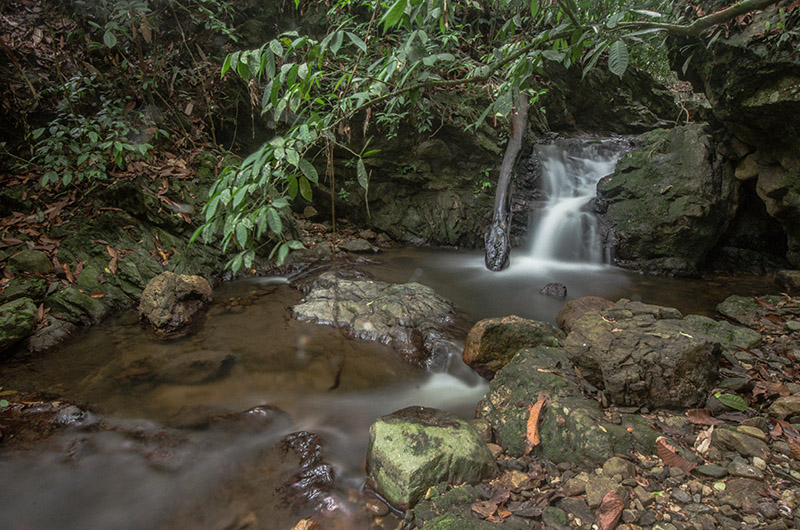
(30, 261)
(74, 306)
(416, 448)
(727, 334)
(33, 288)
(17, 320)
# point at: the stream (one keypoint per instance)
(166, 456)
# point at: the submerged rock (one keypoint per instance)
(50, 335)
(410, 317)
(17, 320)
(643, 355)
(415, 448)
(197, 367)
(492, 342)
(171, 300)
(573, 428)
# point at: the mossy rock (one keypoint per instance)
(728, 335)
(17, 320)
(453, 511)
(30, 261)
(33, 288)
(74, 306)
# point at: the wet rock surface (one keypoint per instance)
(492, 342)
(170, 301)
(415, 448)
(17, 320)
(409, 317)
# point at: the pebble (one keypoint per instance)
(618, 466)
(759, 463)
(712, 470)
(755, 432)
(644, 496)
(740, 469)
(681, 496)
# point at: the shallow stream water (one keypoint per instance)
(220, 477)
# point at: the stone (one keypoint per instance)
(50, 335)
(555, 518)
(558, 290)
(644, 496)
(740, 469)
(415, 448)
(730, 337)
(578, 508)
(357, 246)
(619, 466)
(597, 487)
(747, 168)
(747, 311)
(743, 494)
(669, 201)
(30, 261)
(17, 320)
(785, 406)
(197, 367)
(712, 470)
(492, 342)
(573, 428)
(74, 306)
(681, 496)
(33, 288)
(574, 309)
(755, 432)
(741, 443)
(574, 486)
(410, 317)
(788, 279)
(170, 301)
(640, 358)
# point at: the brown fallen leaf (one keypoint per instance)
(669, 454)
(98, 294)
(795, 448)
(532, 438)
(484, 508)
(306, 524)
(610, 510)
(701, 417)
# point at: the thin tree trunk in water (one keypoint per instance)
(497, 238)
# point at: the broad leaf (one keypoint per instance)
(618, 58)
(394, 14)
(309, 170)
(363, 178)
(109, 39)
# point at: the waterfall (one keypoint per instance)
(565, 230)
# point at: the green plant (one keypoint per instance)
(484, 183)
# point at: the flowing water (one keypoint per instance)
(155, 465)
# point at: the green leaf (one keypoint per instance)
(305, 188)
(196, 233)
(732, 401)
(292, 157)
(226, 65)
(109, 39)
(647, 13)
(4, 403)
(274, 221)
(295, 244)
(276, 47)
(282, 253)
(618, 58)
(241, 235)
(363, 178)
(336, 42)
(534, 7)
(394, 14)
(357, 41)
(309, 170)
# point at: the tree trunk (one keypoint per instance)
(498, 246)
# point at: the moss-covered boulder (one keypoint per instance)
(30, 261)
(170, 301)
(669, 201)
(492, 342)
(33, 288)
(17, 320)
(728, 335)
(453, 511)
(75, 306)
(415, 448)
(643, 355)
(759, 313)
(573, 428)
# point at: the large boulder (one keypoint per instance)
(17, 320)
(492, 342)
(410, 317)
(30, 261)
(415, 448)
(574, 309)
(644, 355)
(751, 79)
(573, 427)
(668, 202)
(169, 301)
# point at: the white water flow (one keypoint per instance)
(565, 230)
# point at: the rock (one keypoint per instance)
(197, 367)
(750, 430)
(30, 261)
(415, 448)
(74, 306)
(492, 342)
(578, 509)
(33, 288)
(453, 510)
(640, 358)
(574, 486)
(786, 406)
(741, 443)
(740, 469)
(50, 335)
(17, 320)
(788, 279)
(747, 311)
(743, 494)
(746, 168)
(574, 309)
(357, 245)
(559, 290)
(573, 428)
(555, 518)
(669, 201)
(170, 301)
(712, 470)
(409, 317)
(728, 335)
(619, 466)
(597, 487)
(681, 496)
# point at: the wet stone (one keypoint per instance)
(557, 290)
(712, 470)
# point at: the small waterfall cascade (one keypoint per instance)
(565, 229)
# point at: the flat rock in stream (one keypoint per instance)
(410, 317)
